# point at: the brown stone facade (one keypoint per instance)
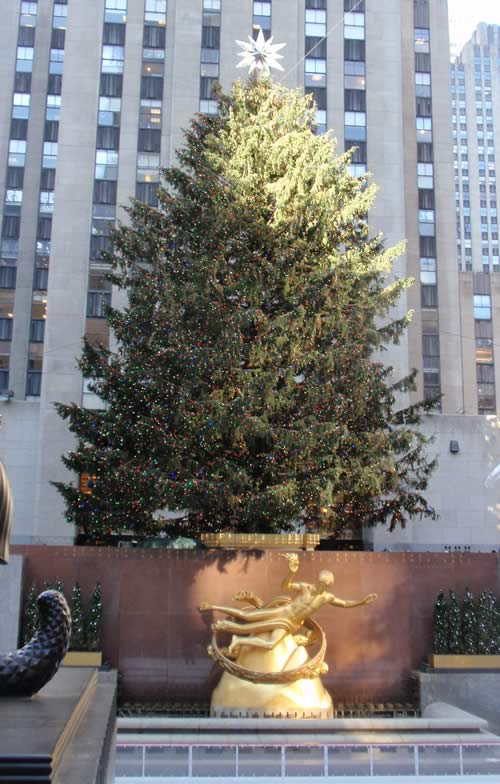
(157, 638)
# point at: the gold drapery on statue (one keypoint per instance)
(268, 668)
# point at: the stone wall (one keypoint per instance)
(157, 638)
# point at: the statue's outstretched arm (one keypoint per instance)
(293, 567)
(347, 603)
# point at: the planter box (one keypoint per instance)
(83, 659)
(261, 541)
(449, 661)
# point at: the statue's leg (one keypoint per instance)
(245, 615)
(256, 642)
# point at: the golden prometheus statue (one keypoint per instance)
(268, 669)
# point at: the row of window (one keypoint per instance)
(210, 53)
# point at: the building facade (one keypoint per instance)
(93, 100)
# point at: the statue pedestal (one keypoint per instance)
(304, 698)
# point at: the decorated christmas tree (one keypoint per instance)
(59, 586)
(469, 624)
(94, 620)
(484, 624)
(77, 642)
(440, 624)
(455, 625)
(247, 386)
(30, 615)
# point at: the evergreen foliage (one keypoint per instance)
(455, 625)
(469, 624)
(247, 385)
(77, 642)
(30, 615)
(94, 620)
(440, 624)
(484, 622)
(59, 586)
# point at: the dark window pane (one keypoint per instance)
(210, 37)
(58, 39)
(422, 62)
(41, 279)
(10, 227)
(154, 37)
(105, 192)
(26, 36)
(424, 107)
(98, 245)
(355, 100)
(428, 247)
(429, 296)
(37, 330)
(55, 84)
(34, 383)
(19, 129)
(207, 85)
(149, 140)
(111, 85)
(152, 87)
(6, 328)
(425, 152)
(114, 34)
(354, 5)
(315, 47)
(421, 13)
(44, 228)
(48, 179)
(51, 131)
(426, 199)
(319, 95)
(354, 49)
(147, 193)
(359, 151)
(8, 277)
(22, 83)
(108, 137)
(15, 177)
(97, 303)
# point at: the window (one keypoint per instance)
(109, 111)
(24, 58)
(425, 175)
(148, 166)
(116, 11)
(482, 307)
(97, 303)
(428, 271)
(315, 23)
(149, 140)
(21, 106)
(111, 85)
(108, 137)
(106, 165)
(105, 192)
(354, 26)
(152, 87)
(114, 34)
(17, 152)
(147, 192)
(49, 154)
(354, 50)
(6, 328)
(422, 40)
(112, 59)
(46, 201)
(429, 296)
(150, 114)
(355, 118)
(53, 107)
(156, 11)
(59, 17)
(8, 277)
(212, 5)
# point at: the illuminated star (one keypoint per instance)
(260, 55)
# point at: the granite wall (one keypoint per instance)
(157, 638)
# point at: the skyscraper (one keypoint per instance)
(94, 97)
(475, 86)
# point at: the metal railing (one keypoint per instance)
(314, 760)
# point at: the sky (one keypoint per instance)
(465, 15)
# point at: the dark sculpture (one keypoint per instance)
(5, 515)
(24, 672)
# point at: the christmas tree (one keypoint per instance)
(469, 624)
(94, 620)
(30, 615)
(484, 624)
(440, 624)
(77, 642)
(247, 386)
(59, 586)
(455, 626)
(495, 648)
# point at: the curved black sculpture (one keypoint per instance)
(24, 672)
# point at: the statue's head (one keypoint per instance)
(325, 579)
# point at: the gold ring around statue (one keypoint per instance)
(310, 669)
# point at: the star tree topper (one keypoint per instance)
(260, 55)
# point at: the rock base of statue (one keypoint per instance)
(304, 698)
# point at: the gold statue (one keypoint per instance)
(267, 669)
